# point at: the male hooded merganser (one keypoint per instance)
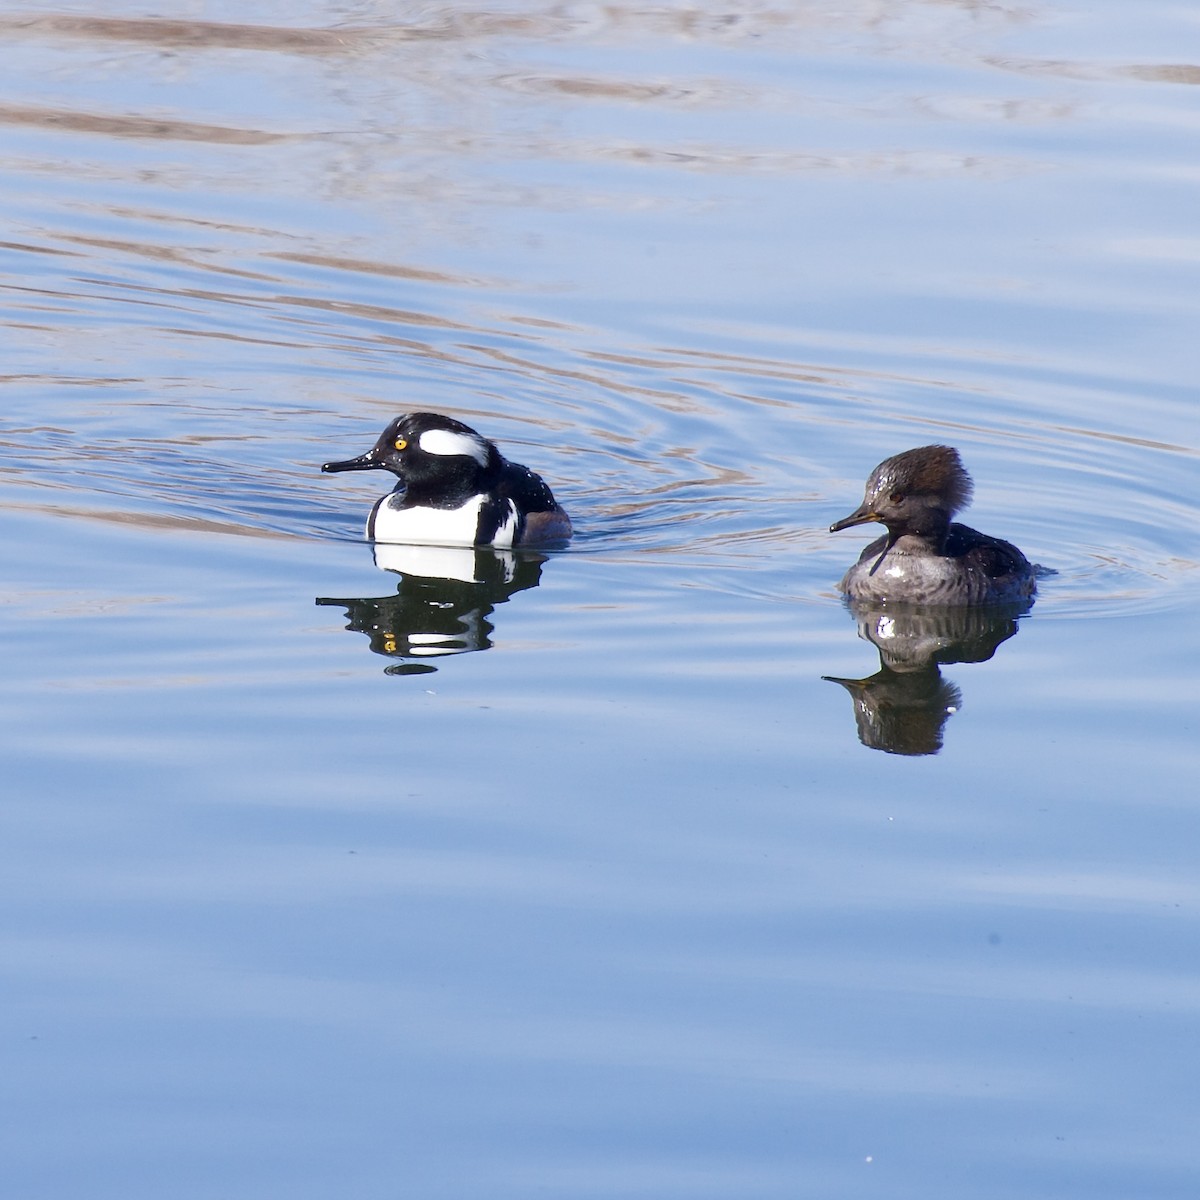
(455, 489)
(925, 557)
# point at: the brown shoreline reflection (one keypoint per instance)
(132, 126)
(443, 603)
(166, 33)
(903, 708)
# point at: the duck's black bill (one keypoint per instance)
(364, 462)
(860, 516)
(853, 686)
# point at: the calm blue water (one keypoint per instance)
(582, 875)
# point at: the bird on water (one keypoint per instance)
(455, 489)
(926, 557)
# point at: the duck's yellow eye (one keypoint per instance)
(400, 443)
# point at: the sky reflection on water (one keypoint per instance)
(627, 901)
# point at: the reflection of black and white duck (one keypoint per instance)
(926, 557)
(904, 706)
(443, 603)
(455, 489)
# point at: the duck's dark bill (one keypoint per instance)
(364, 462)
(860, 516)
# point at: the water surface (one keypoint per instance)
(575, 874)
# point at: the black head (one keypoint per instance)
(436, 458)
(917, 492)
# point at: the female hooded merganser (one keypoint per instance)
(925, 557)
(455, 489)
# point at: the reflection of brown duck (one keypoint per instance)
(903, 708)
(926, 557)
(910, 638)
(442, 604)
(902, 713)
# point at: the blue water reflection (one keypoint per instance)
(621, 906)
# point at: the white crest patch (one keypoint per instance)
(447, 442)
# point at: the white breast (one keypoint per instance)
(436, 526)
